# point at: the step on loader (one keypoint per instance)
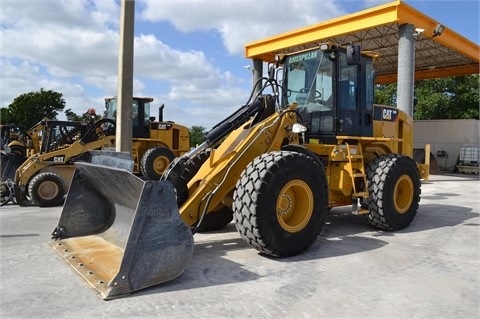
(275, 167)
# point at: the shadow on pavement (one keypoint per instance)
(343, 234)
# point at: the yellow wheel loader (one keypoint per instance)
(30, 144)
(10, 133)
(155, 143)
(13, 152)
(275, 166)
(45, 176)
(18, 149)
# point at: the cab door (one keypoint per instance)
(354, 98)
(348, 108)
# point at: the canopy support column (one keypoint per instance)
(406, 68)
(257, 73)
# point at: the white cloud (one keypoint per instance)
(56, 45)
(240, 21)
(63, 36)
(157, 60)
(71, 46)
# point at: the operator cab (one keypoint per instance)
(140, 114)
(333, 87)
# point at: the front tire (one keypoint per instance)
(280, 203)
(394, 187)
(46, 189)
(155, 161)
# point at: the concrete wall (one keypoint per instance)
(448, 136)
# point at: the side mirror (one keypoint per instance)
(353, 54)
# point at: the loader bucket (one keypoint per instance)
(121, 233)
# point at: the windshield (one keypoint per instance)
(309, 80)
(112, 107)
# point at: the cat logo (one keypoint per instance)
(59, 159)
(389, 114)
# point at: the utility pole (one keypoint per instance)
(125, 77)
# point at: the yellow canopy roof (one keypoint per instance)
(376, 31)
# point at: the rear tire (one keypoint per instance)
(184, 173)
(46, 189)
(194, 165)
(394, 187)
(155, 161)
(280, 203)
(5, 193)
(215, 220)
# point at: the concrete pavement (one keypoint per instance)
(429, 270)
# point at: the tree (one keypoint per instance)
(197, 135)
(30, 108)
(5, 116)
(448, 98)
(386, 94)
(443, 98)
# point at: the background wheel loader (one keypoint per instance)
(155, 143)
(275, 166)
(30, 144)
(33, 156)
(8, 134)
(45, 176)
(16, 148)
(19, 149)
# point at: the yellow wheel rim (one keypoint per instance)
(160, 164)
(403, 194)
(48, 190)
(294, 206)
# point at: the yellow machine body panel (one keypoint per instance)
(212, 187)
(174, 136)
(58, 161)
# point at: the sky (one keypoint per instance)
(189, 54)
